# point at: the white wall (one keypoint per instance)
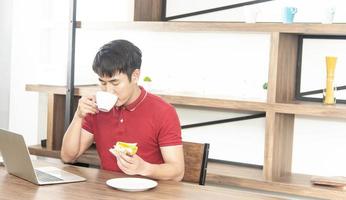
(26, 41)
(268, 12)
(241, 141)
(225, 65)
(5, 60)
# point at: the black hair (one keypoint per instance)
(117, 56)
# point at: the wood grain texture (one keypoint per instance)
(273, 63)
(286, 68)
(224, 175)
(298, 184)
(89, 157)
(173, 99)
(44, 152)
(296, 28)
(290, 107)
(193, 157)
(311, 109)
(279, 127)
(278, 145)
(282, 68)
(57, 89)
(56, 120)
(215, 103)
(148, 10)
(12, 187)
(50, 121)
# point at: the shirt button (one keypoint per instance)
(121, 120)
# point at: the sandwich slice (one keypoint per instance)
(123, 147)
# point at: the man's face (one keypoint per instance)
(120, 85)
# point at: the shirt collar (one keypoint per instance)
(132, 106)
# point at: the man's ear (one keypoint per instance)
(135, 75)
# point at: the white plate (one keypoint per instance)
(131, 184)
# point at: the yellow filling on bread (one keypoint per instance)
(123, 147)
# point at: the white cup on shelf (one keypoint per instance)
(250, 14)
(328, 15)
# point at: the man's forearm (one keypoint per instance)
(71, 142)
(165, 171)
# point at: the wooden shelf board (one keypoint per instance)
(296, 184)
(173, 99)
(215, 103)
(296, 28)
(232, 175)
(60, 89)
(41, 151)
(296, 107)
(311, 109)
(89, 157)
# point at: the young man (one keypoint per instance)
(137, 117)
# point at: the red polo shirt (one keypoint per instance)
(148, 121)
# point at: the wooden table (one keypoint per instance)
(12, 187)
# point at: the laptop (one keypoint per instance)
(17, 161)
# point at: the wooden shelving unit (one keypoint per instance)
(280, 107)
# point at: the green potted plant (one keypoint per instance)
(265, 86)
(147, 79)
(147, 83)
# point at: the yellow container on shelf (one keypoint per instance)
(329, 97)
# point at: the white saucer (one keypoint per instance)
(131, 184)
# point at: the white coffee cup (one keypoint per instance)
(250, 14)
(105, 100)
(328, 15)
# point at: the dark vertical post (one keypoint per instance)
(70, 64)
(163, 10)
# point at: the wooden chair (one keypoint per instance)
(196, 159)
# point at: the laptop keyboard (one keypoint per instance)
(45, 177)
